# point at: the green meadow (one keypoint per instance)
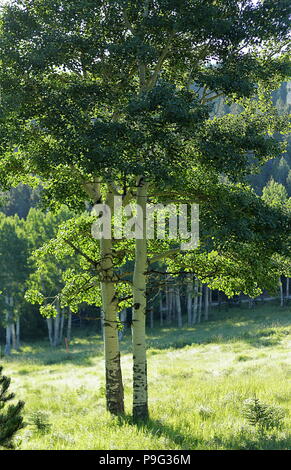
(199, 381)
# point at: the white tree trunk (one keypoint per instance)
(69, 327)
(168, 305)
(57, 321)
(140, 393)
(287, 288)
(114, 385)
(7, 349)
(178, 306)
(190, 300)
(49, 322)
(206, 303)
(13, 336)
(200, 301)
(281, 292)
(18, 333)
(195, 303)
(109, 325)
(62, 327)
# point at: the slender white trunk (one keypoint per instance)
(114, 386)
(9, 325)
(7, 350)
(13, 335)
(287, 288)
(57, 321)
(172, 305)
(49, 322)
(195, 303)
(178, 306)
(206, 303)
(189, 299)
(200, 302)
(109, 320)
(140, 392)
(62, 327)
(281, 292)
(69, 327)
(168, 305)
(18, 333)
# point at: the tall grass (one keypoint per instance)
(199, 379)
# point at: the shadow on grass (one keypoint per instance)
(255, 328)
(259, 328)
(240, 440)
(79, 354)
(159, 429)
(250, 441)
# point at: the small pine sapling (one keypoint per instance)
(11, 420)
(262, 415)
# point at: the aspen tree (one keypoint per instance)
(123, 90)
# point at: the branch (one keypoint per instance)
(91, 261)
(166, 254)
(160, 62)
(218, 95)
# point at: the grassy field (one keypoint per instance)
(199, 379)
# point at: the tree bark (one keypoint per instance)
(190, 300)
(18, 333)
(13, 336)
(287, 288)
(195, 303)
(200, 301)
(206, 302)
(49, 322)
(62, 327)
(168, 305)
(109, 320)
(281, 292)
(57, 320)
(178, 306)
(69, 327)
(140, 392)
(114, 385)
(7, 350)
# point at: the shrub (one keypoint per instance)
(262, 415)
(41, 421)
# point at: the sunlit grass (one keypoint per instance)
(198, 380)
